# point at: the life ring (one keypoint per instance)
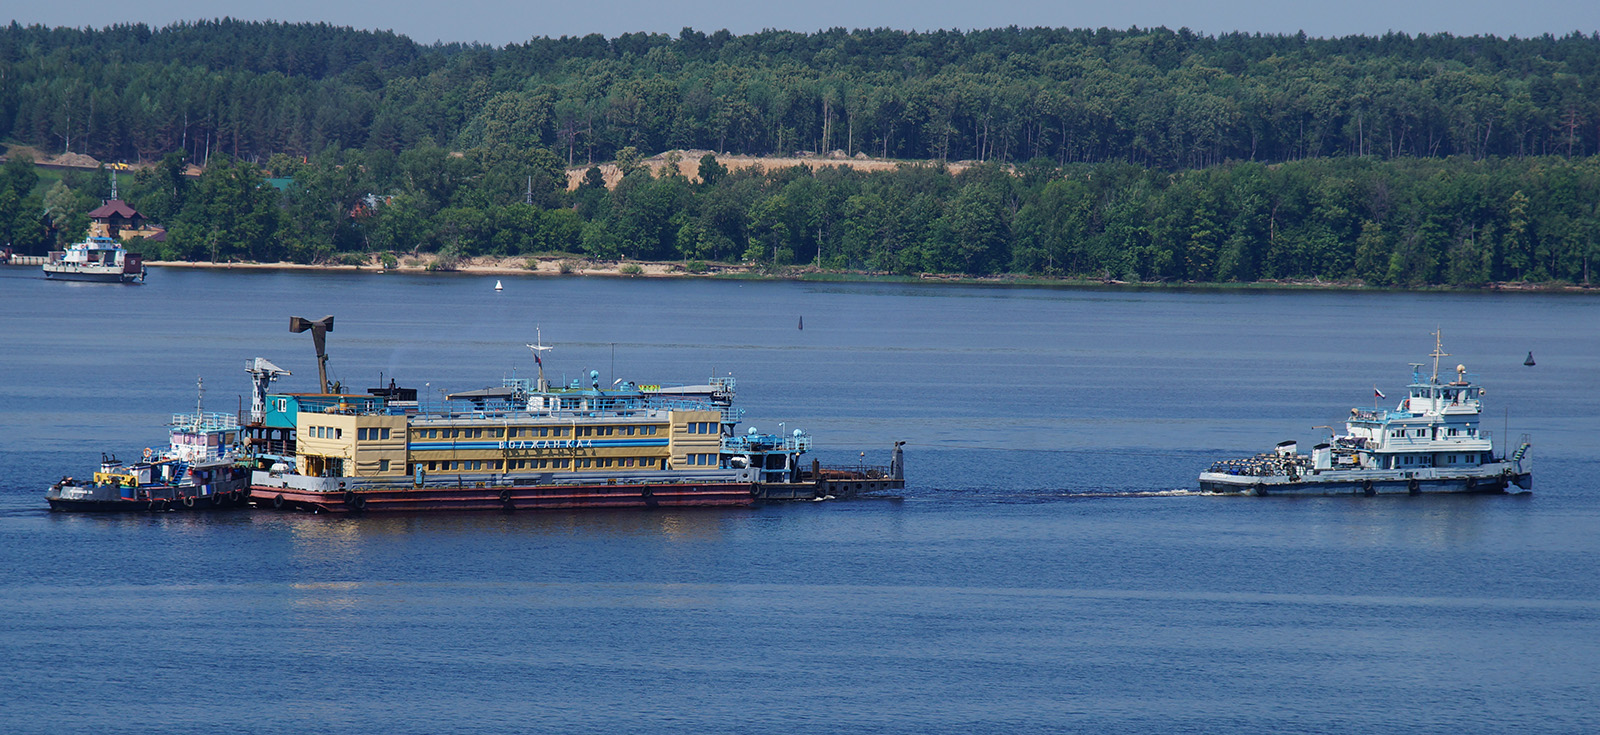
(277, 502)
(1413, 486)
(188, 501)
(1366, 488)
(147, 453)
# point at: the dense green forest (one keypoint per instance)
(1136, 155)
(1154, 97)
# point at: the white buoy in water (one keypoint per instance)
(498, 287)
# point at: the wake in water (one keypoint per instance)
(1006, 495)
(1179, 493)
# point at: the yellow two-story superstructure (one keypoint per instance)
(523, 444)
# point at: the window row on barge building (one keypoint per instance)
(519, 427)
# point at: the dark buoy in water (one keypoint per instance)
(803, 326)
(1529, 362)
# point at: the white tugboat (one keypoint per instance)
(1432, 442)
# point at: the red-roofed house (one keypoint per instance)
(116, 219)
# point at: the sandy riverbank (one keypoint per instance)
(576, 266)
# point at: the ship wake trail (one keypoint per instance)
(1176, 493)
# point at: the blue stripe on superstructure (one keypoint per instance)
(535, 444)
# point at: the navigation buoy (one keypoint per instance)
(802, 322)
(498, 287)
(1529, 362)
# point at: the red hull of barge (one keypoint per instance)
(507, 498)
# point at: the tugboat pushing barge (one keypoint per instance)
(528, 445)
(197, 471)
(1432, 442)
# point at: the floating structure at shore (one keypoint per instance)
(97, 259)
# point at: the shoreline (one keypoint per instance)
(568, 266)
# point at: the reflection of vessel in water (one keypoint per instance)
(196, 471)
(529, 445)
(1432, 442)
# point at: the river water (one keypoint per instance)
(1043, 572)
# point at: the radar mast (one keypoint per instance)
(1438, 352)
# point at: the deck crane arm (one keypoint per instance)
(319, 329)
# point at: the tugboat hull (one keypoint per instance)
(154, 505)
(1499, 482)
(150, 499)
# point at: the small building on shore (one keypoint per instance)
(118, 220)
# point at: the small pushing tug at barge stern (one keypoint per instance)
(197, 471)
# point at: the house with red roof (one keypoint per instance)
(118, 220)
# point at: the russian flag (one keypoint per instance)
(1377, 392)
(537, 360)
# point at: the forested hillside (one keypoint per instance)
(1134, 154)
(1152, 97)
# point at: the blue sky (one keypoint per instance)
(498, 22)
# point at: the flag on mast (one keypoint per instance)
(1377, 393)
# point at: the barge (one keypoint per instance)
(1433, 441)
(529, 445)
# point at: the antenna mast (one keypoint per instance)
(538, 347)
(1438, 352)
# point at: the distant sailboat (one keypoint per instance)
(802, 323)
(1529, 362)
(498, 287)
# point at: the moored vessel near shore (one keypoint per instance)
(197, 471)
(99, 259)
(1432, 442)
(527, 445)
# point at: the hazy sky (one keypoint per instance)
(499, 22)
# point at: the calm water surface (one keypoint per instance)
(1037, 577)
